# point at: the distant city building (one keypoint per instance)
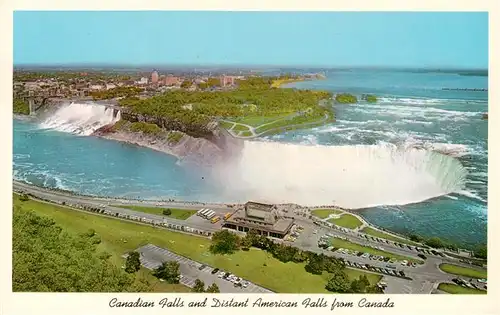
(154, 77)
(110, 86)
(143, 80)
(171, 80)
(96, 87)
(226, 80)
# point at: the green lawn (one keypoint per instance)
(464, 271)
(324, 213)
(225, 124)
(458, 289)
(377, 233)
(338, 243)
(120, 236)
(240, 128)
(256, 121)
(181, 214)
(347, 220)
(246, 134)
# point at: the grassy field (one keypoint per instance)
(240, 128)
(324, 213)
(377, 233)
(120, 236)
(338, 243)
(256, 121)
(464, 271)
(246, 134)
(347, 220)
(180, 214)
(458, 289)
(225, 124)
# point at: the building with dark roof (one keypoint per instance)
(264, 218)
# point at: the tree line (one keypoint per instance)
(48, 259)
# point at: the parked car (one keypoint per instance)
(202, 267)
(422, 256)
(390, 266)
(482, 281)
(244, 284)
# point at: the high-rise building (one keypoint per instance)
(154, 77)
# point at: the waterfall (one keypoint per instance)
(81, 118)
(357, 176)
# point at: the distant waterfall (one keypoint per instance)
(81, 118)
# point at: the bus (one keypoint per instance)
(215, 219)
(210, 215)
(200, 211)
(205, 212)
(227, 215)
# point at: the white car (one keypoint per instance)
(244, 284)
(221, 274)
(482, 281)
(404, 262)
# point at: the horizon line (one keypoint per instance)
(242, 65)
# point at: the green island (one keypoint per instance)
(373, 232)
(464, 271)
(339, 243)
(324, 213)
(20, 107)
(370, 98)
(346, 220)
(345, 98)
(117, 237)
(458, 289)
(253, 108)
(181, 214)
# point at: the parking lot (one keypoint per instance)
(153, 256)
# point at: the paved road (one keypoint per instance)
(153, 256)
(421, 275)
(98, 202)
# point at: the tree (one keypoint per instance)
(481, 252)
(224, 242)
(339, 282)
(213, 288)
(360, 285)
(434, 242)
(46, 258)
(415, 238)
(199, 286)
(24, 197)
(167, 212)
(133, 262)
(246, 243)
(168, 271)
(315, 264)
(186, 84)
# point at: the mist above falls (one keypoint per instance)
(353, 177)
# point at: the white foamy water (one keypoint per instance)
(81, 118)
(348, 176)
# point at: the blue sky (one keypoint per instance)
(252, 38)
